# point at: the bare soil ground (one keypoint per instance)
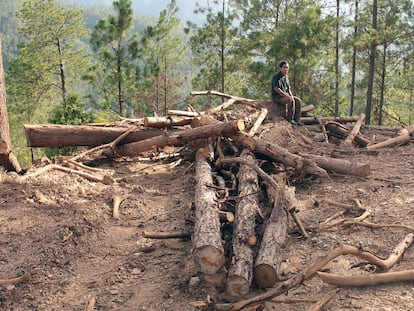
(75, 250)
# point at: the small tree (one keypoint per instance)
(118, 53)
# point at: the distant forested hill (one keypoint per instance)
(93, 12)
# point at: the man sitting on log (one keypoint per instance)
(282, 94)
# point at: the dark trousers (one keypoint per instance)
(293, 108)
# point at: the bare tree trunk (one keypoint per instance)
(372, 57)
(354, 54)
(7, 158)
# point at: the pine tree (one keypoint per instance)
(118, 51)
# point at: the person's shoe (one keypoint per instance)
(299, 123)
(292, 122)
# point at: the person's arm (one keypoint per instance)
(280, 92)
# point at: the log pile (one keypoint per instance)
(239, 175)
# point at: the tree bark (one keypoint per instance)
(280, 154)
(342, 132)
(181, 138)
(7, 158)
(274, 238)
(164, 122)
(355, 130)
(208, 248)
(241, 271)
(56, 135)
(314, 120)
(403, 138)
(341, 166)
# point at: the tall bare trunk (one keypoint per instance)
(354, 53)
(372, 57)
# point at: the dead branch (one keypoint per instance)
(107, 180)
(116, 199)
(23, 278)
(166, 235)
(306, 274)
(373, 225)
(367, 280)
(42, 198)
(291, 205)
(71, 162)
(110, 145)
(258, 122)
(324, 131)
(339, 204)
(403, 138)
(184, 113)
(355, 130)
(325, 299)
(293, 299)
(367, 212)
(314, 119)
(91, 304)
(253, 165)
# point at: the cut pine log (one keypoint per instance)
(164, 122)
(208, 248)
(317, 119)
(340, 131)
(274, 238)
(181, 138)
(403, 137)
(241, 270)
(349, 140)
(282, 155)
(57, 135)
(341, 166)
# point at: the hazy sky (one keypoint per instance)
(154, 7)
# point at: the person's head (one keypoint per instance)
(284, 67)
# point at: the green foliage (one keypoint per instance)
(136, 64)
(70, 112)
(117, 68)
(165, 54)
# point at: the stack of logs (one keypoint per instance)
(230, 181)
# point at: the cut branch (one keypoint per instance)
(307, 273)
(166, 235)
(116, 201)
(23, 278)
(401, 139)
(355, 130)
(367, 280)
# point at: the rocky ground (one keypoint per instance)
(76, 252)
